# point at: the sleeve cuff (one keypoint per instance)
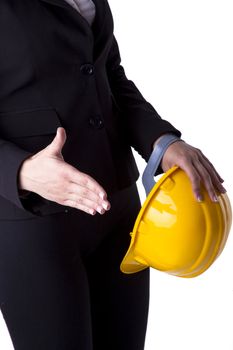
(11, 159)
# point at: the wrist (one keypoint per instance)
(23, 182)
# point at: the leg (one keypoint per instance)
(44, 295)
(119, 302)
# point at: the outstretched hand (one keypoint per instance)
(47, 174)
(196, 165)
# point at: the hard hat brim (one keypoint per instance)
(130, 263)
(206, 242)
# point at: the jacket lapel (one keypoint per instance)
(100, 13)
(96, 30)
(61, 3)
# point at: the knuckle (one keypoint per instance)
(194, 155)
(196, 178)
(96, 205)
(84, 192)
(185, 158)
(79, 200)
(208, 178)
(78, 206)
(198, 150)
(85, 180)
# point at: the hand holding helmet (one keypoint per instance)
(196, 165)
(174, 232)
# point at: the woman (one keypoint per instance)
(68, 119)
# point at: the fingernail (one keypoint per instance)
(102, 195)
(215, 198)
(106, 206)
(100, 210)
(199, 198)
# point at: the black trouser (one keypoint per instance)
(60, 282)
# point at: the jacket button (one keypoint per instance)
(96, 122)
(87, 69)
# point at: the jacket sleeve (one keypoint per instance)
(142, 124)
(11, 159)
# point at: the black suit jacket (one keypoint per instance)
(57, 70)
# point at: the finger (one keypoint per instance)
(80, 206)
(194, 178)
(86, 202)
(206, 179)
(214, 176)
(212, 166)
(75, 190)
(85, 180)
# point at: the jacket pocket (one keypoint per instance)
(29, 122)
(31, 129)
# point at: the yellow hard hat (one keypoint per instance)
(174, 232)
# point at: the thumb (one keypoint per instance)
(55, 147)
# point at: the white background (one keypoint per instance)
(179, 54)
